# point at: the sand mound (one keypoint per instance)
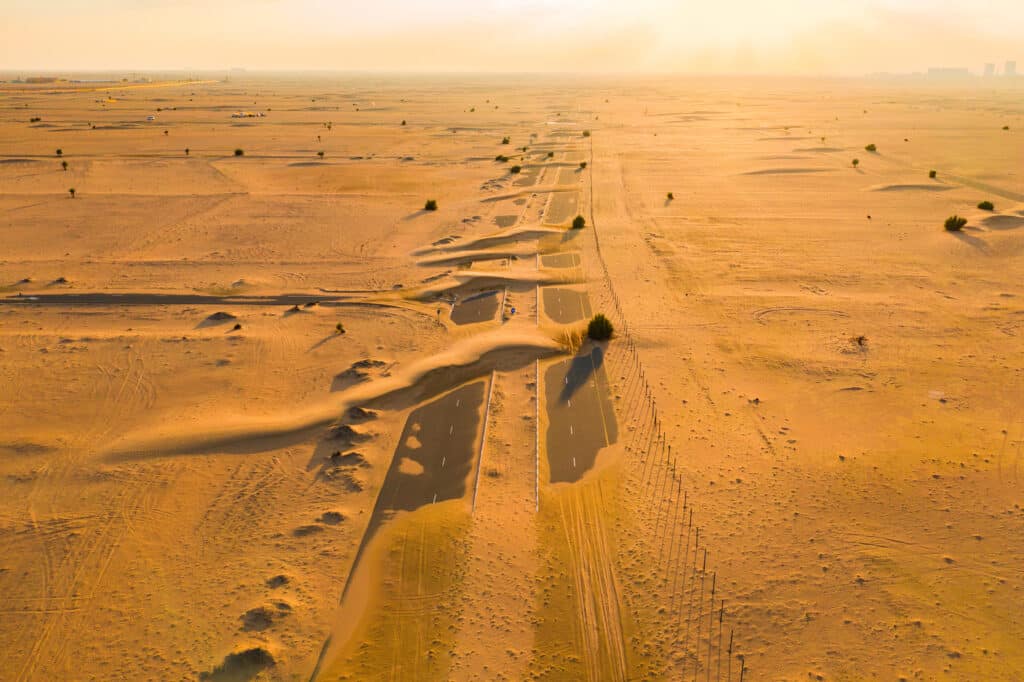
(912, 187)
(331, 518)
(241, 666)
(1002, 222)
(221, 317)
(263, 617)
(470, 357)
(788, 171)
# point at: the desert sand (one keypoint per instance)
(799, 457)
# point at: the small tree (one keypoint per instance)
(514, 170)
(501, 158)
(932, 174)
(431, 205)
(579, 222)
(320, 154)
(403, 121)
(586, 133)
(955, 223)
(64, 165)
(600, 328)
(505, 140)
(339, 328)
(239, 152)
(987, 206)
(1006, 127)
(187, 151)
(60, 152)
(871, 148)
(856, 162)
(670, 196)
(583, 164)
(72, 192)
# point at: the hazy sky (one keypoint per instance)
(719, 36)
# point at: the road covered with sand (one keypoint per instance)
(264, 416)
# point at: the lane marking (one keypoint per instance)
(451, 429)
(443, 460)
(435, 499)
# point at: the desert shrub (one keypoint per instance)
(72, 192)
(501, 158)
(64, 165)
(583, 164)
(431, 205)
(579, 222)
(670, 196)
(403, 121)
(600, 328)
(339, 328)
(551, 155)
(187, 150)
(320, 154)
(505, 140)
(987, 206)
(515, 169)
(955, 223)
(586, 133)
(60, 152)
(871, 148)
(1006, 127)
(856, 162)
(932, 174)
(239, 152)
(35, 119)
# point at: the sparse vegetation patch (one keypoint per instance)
(955, 223)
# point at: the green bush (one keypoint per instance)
(515, 170)
(955, 223)
(239, 152)
(431, 205)
(987, 206)
(856, 162)
(579, 222)
(871, 148)
(600, 328)
(932, 174)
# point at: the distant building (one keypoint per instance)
(990, 70)
(1011, 69)
(948, 74)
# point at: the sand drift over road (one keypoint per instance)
(472, 356)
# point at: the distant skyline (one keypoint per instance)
(785, 37)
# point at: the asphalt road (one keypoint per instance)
(566, 306)
(476, 308)
(561, 260)
(580, 417)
